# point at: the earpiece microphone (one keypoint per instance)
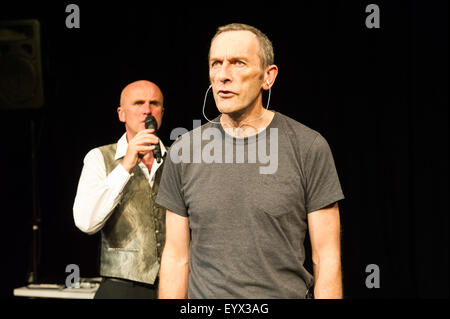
(268, 83)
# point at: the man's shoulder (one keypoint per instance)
(106, 147)
(295, 127)
(307, 139)
(101, 151)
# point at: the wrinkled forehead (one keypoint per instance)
(235, 44)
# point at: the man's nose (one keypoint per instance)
(224, 73)
(147, 108)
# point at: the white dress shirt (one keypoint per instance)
(98, 194)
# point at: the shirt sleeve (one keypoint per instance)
(322, 181)
(97, 194)
(170, 192)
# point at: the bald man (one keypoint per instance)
(116, 195)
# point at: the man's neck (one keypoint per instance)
(246, 124)
(148, 160)
(130, 136)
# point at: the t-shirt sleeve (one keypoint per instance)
(322, 181)
(170, 192)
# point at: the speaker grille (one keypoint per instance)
(20, 65)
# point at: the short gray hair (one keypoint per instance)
(266, 54)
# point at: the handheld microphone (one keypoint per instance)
(150, 123)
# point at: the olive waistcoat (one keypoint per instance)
(133, 236)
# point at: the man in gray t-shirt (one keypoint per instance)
(242, 191)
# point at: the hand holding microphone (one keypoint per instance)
(141, 144)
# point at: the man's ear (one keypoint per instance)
(121, 114)
(269, 76)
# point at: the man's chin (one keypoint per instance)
(233, 111)
(229, 109)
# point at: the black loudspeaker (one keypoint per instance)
(21, 80)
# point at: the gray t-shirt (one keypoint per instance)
(248, 212)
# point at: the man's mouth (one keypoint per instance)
(225, 93)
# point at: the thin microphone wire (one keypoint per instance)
(214, 122)
(204, 103)
(262, 115)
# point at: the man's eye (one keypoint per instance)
(215, 63)
(240, 62)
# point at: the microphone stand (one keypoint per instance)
(36, 219)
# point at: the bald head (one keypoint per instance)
(142, 85)
(137, 100)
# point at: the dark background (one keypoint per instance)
(379, 96)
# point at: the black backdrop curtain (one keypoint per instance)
(379, 96)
